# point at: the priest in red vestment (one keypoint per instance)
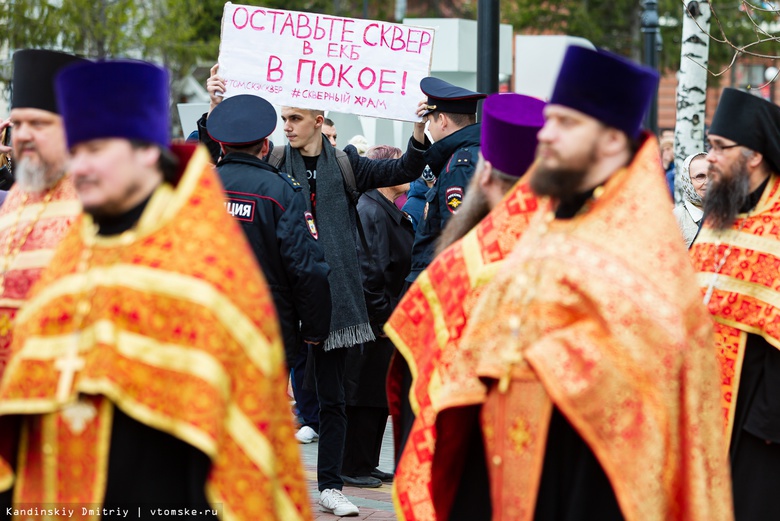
(42, 204)
(427, 324)
(147, 370)
(737, 254)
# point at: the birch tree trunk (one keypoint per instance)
(691, 87)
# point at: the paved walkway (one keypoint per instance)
(374, 503)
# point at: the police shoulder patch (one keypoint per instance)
(310, 223)
(291, 181)
(454, 196)
(462, 157)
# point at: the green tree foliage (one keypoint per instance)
(175, 33)
(99, 29)
(610, 24)
(173, 36)
(615, 25)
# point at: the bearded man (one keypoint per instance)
(40, 207)
(736, 254)
(322, 170)
(593, 385)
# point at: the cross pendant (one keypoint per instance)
(511, 359)
(710, 289)
(68, 366)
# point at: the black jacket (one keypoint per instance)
(272, 212)
(453, 160)
(389, 238)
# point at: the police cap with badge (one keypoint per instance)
(244, 120)
(241, 120)
(445, 97)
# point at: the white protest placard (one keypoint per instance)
(317, 61)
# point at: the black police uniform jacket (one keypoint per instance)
(453, 160)
(272, 211)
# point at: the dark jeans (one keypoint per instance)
(305, 398)
(365, 430)
(329, 367)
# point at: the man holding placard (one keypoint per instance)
(308, 63)
(326, 175)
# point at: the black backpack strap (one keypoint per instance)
(348, 174)
(276, 156)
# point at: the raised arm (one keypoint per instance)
(376, 173)
(215, 86)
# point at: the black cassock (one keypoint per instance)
(755, 438)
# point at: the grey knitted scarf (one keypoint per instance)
(336, 227)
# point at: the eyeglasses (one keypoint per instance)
(700, 178)
(717, 148)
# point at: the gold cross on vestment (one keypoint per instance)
(68, 366)
(513, 357)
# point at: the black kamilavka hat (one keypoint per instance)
(750, 121)
(32, 85)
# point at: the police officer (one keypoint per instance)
(272, 211)
(451, 118)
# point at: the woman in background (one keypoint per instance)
(690, 211)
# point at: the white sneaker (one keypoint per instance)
(306, 434)
(333, 501)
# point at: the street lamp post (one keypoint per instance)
(487, 47)
(650, 33)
